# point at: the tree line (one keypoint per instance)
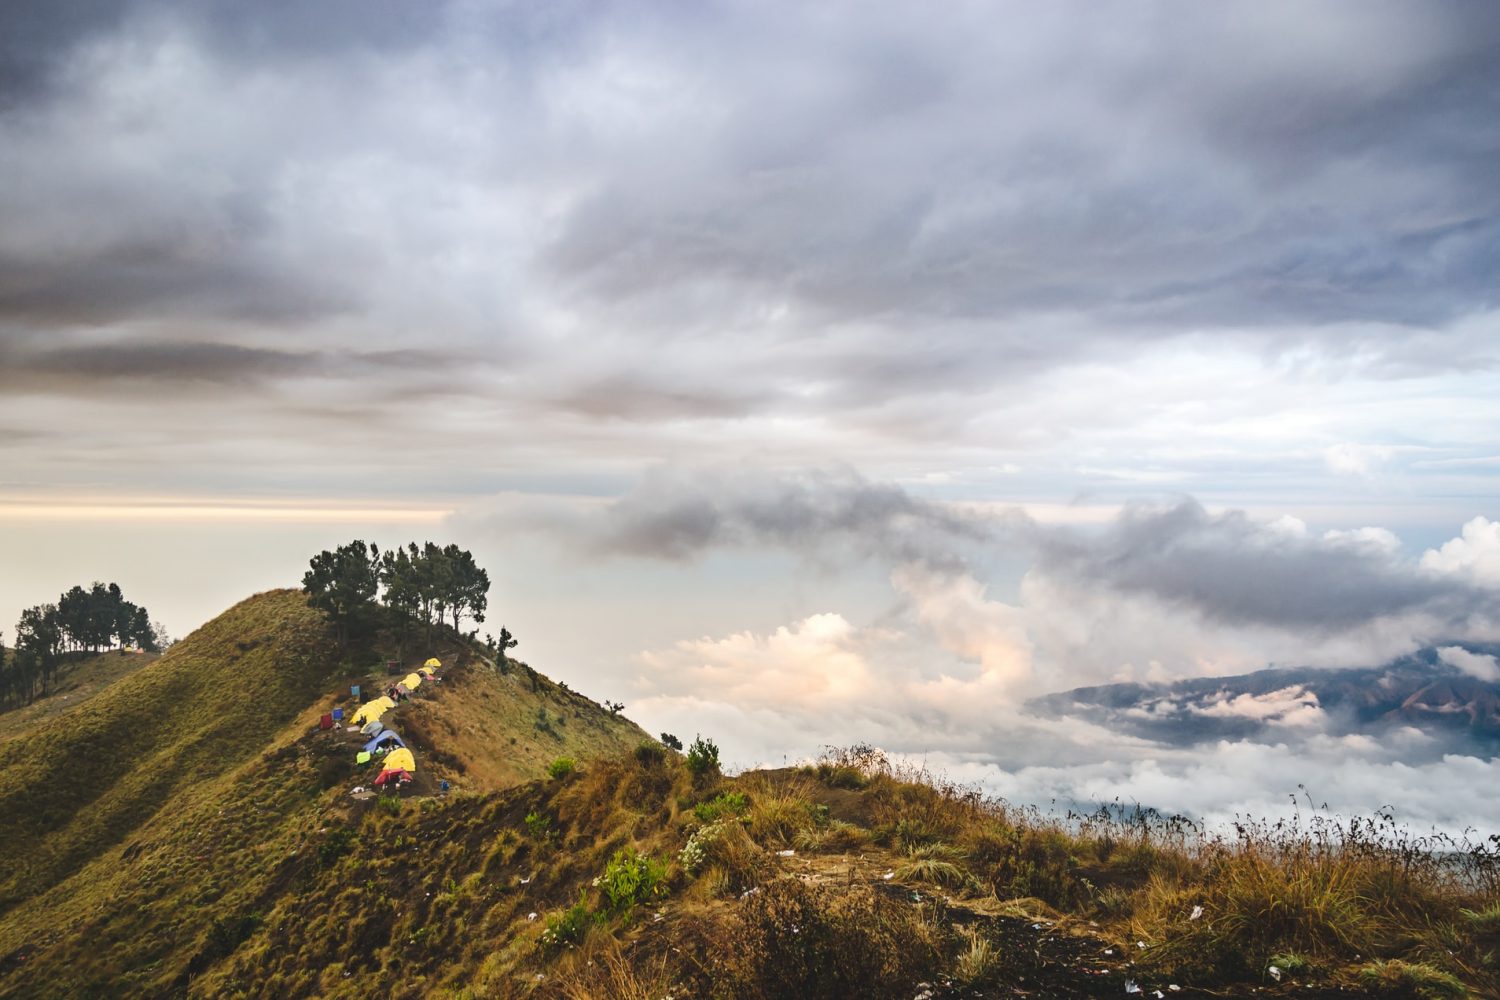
(80, 621)
(363, 588)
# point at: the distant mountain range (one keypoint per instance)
(1455, 710)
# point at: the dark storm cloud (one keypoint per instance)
(84, 368)
(849, 208)
(1231, 166)
(644, 399)
(1234, 570)
(39, 37)
(819, 514)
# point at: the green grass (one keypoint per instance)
(79, 783)
(155, 831)
(78, 680)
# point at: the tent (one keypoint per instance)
(373, 710)
(427, 672)
(434, 662)
(413, 681)
(372, 727)
(400, 759)
(326, 722)
(338, 715)
(389, 777)
(384, 739)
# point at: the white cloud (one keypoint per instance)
(813, 662)
(1362, 460)
(968, 624)
(1291, 706)
(1478, 665)
(1474, 555)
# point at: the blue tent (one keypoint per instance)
(384, 739)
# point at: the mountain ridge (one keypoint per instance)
(1419, 690)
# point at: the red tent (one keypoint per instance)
(326, 722)
(393, 777)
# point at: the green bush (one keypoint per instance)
(538, 826)
(567, 928)
(337, 844)
(649, 754)
(632, 878)
(721, 805)
(561, 768)
(703, 756)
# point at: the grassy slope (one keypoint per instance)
(208, 805)
(83, 781)
(888, 885)
(481, 727)
(79, 681)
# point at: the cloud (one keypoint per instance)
(966, 623)
(1232, 569)
(1291, 706)
(86, 366)
(1473, 556)
(814, 662)
(1356, 459)
(779, 696)
(678, 513)
(1479, 665)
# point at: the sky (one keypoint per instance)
(802, 374)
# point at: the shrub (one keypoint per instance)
(837, 836)
(561, 768)
(935, 864)
(334, 846)
(538, 826)
(798, 939)
(669, 740)
(632, 878)
(569, 927)
(649, 754)
(543, 723)
(978, 960)
(722, 805)
(1413, 978)
(703, 757)
(389, 803)
(779, 818)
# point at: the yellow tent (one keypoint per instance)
(433, 662)
(372, 710)
(426, 672)
(413, 681)
(399, 759)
